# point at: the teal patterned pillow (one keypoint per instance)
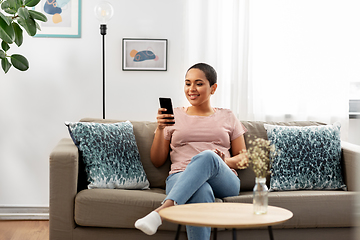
(309, 157)
(110, 154)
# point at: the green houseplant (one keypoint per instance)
(16, 15)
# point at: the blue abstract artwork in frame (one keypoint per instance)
(64, 18)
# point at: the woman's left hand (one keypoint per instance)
(244, 161)
(220, 153)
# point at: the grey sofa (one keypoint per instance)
(79, 213)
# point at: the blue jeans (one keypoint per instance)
(205, 178)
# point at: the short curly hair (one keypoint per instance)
(208, 70)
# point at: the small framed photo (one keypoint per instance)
(64, 18)
(144, 54)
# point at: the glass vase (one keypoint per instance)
(260, 196)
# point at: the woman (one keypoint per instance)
(202, 168)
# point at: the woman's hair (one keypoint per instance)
(209, 71)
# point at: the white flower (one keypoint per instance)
(260, 154)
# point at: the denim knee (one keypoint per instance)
(206, 156)
(209, 154)
(204, 194)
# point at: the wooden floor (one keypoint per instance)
(24, 230)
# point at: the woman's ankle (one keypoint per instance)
(166, 204)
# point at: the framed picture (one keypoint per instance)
(144, 54)
(64, 18)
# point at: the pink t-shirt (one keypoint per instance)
(194, 134)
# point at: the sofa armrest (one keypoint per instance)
(351, 164)
(63, 189)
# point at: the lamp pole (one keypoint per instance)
(104, 12)
(103, 33)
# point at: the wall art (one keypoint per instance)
(144, 54)
(64, 18)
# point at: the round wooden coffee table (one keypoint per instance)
(224, 215)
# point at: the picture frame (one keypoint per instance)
(144, 54)
(64, 18)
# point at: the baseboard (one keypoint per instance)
(24, 213)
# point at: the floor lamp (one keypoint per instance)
(104, 12)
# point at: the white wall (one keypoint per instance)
(354, 131)
(64, 83)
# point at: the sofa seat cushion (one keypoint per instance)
(117, 208)
(311, 209)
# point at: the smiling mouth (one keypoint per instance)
(193, 96)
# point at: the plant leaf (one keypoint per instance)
(10, 6)
(7, 8)
(19, 62)
(5, 46)
(24, 13)
(6, 32)
(5, 64)
(38, 16)
(7, 20)
(2, 54)
(38, 26)
(18, 34)
(29, 25)
(31, 3)
(15, 4)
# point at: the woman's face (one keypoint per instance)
(197, 88)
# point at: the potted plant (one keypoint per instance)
(16, 15)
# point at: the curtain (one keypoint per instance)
(278, 60)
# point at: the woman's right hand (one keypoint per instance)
(164, 120)
(160, 147)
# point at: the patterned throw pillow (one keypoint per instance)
(309, 157)
(110, 155)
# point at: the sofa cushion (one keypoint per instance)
(309, 157)
(311, 208)
(144, 134)
(118, 208)
(256, 129)
(115, 207)
(110, 155)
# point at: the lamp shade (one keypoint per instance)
(104, 12)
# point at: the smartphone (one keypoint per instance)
(166, 103)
